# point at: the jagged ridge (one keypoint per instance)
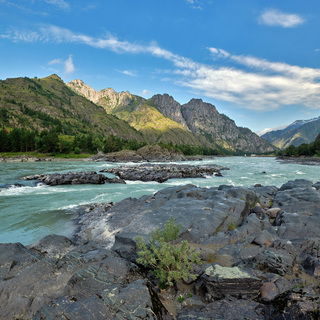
(161, 118)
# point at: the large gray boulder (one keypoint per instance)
(201, 212)
(220, 282)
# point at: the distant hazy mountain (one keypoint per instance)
(300, 131)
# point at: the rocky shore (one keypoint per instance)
(315, 161)
(149, 153)
(24, 158)
(259, 249)
(28, 158)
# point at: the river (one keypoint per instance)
(29, 212)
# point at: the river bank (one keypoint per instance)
(31, 158)
(259, 251)
(310, 161)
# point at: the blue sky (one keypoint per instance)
(257, 61)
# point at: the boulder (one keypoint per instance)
(202, 213)
(302, 200)
(268, 292)
(298, 183)
(228, 309)
(296, 304)
(271, 260)
(52, 246)
(72, 178)
(125, 245)
(220, 282)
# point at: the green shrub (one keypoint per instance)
(77, 150)
(169, 262)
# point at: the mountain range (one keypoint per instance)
(163, 119)
(297, 133)
(73, 108)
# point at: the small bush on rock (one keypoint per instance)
(169, 262)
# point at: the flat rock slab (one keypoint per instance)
(226, 309)
(223, 281)
(69, 282)
(90, 177)
(202, 213)
(163, 172)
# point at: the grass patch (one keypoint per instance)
(231, 226)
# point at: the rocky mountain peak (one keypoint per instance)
(169, 108)
(111, 99)
(107, 98)
(83, 89)
(198, 103)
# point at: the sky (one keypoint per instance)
(257, 61)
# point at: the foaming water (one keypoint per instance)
(29, 211)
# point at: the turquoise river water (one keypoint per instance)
(32, 211)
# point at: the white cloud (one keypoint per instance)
(195, 4)
(273, 17)
(25, 36)
(220, 53)
(146, 92)
(262, 84)
(25, 8)
(68, 64)
(55, 61)
(128, 73)
(61, 4)
(252, 83)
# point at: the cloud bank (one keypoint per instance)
(247, 82)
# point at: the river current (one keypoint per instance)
(32, 211)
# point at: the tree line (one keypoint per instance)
(51, 141)
(305, 149)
